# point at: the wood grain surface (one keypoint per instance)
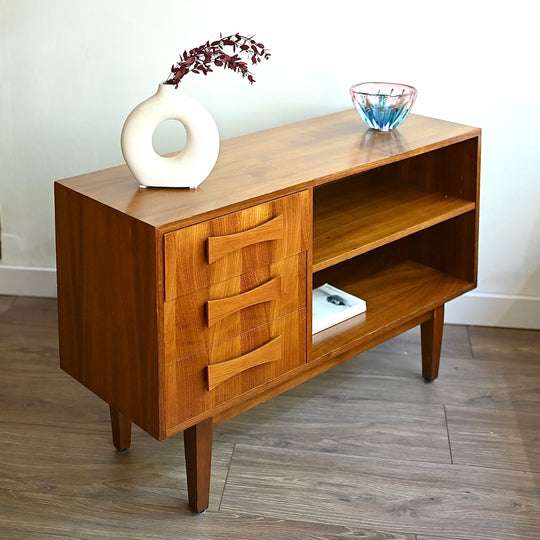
(107, 300)
(253, 166)
(366, 450)
(413, 496)
(187, 393)
(188, 268)
(373, 209)
(186, 327)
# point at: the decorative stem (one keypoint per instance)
(200, 59)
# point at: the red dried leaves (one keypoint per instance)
(200, 59)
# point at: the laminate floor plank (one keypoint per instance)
(52, 401)
(28, 311)
(353, 426)
(418, 498)
(512, 345)
(75, 463)
(29, 337)
(430, 537)
(500, 439)
(5, 303)
(377, 375)
(97, 519)
(18, 342)
(85, 518)
(34, 390)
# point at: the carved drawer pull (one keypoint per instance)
(219, 373)
(222, 307)
(219, 246)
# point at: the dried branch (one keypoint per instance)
(200, 59)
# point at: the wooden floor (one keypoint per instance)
(367, 450)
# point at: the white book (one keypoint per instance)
(332, 306)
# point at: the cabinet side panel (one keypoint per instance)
(452, 246)
(107, 310)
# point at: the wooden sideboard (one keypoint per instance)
(182, 308)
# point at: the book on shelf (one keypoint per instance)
(332, 306)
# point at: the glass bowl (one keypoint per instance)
(383, 106)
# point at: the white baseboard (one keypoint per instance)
(484, 309)
(28, 281)
(474, 308)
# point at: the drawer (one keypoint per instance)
(220, 374)
(226, 309)
(221, 248)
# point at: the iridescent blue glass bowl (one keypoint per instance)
(383, 106)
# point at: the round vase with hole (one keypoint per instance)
(186, 169)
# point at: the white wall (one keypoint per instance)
(71, 70)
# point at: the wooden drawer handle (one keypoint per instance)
(219, 246)
(219, 373)
(223, 307)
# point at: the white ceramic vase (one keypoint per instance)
(186, 169)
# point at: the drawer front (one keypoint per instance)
(220, 374)
(209, 316)
(219, 249)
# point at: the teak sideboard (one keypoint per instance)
(182, 308)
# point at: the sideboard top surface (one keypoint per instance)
(262, 165)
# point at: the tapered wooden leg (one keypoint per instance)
(198, 451)
(431, 332)
(121, 430)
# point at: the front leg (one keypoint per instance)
(198, 452)
(431, 334)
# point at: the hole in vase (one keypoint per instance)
(169, 137)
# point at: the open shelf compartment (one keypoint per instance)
(400, 282)
(408, 287)
(368, 210)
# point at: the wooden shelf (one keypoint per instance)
(349, 222)
(408, 287)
